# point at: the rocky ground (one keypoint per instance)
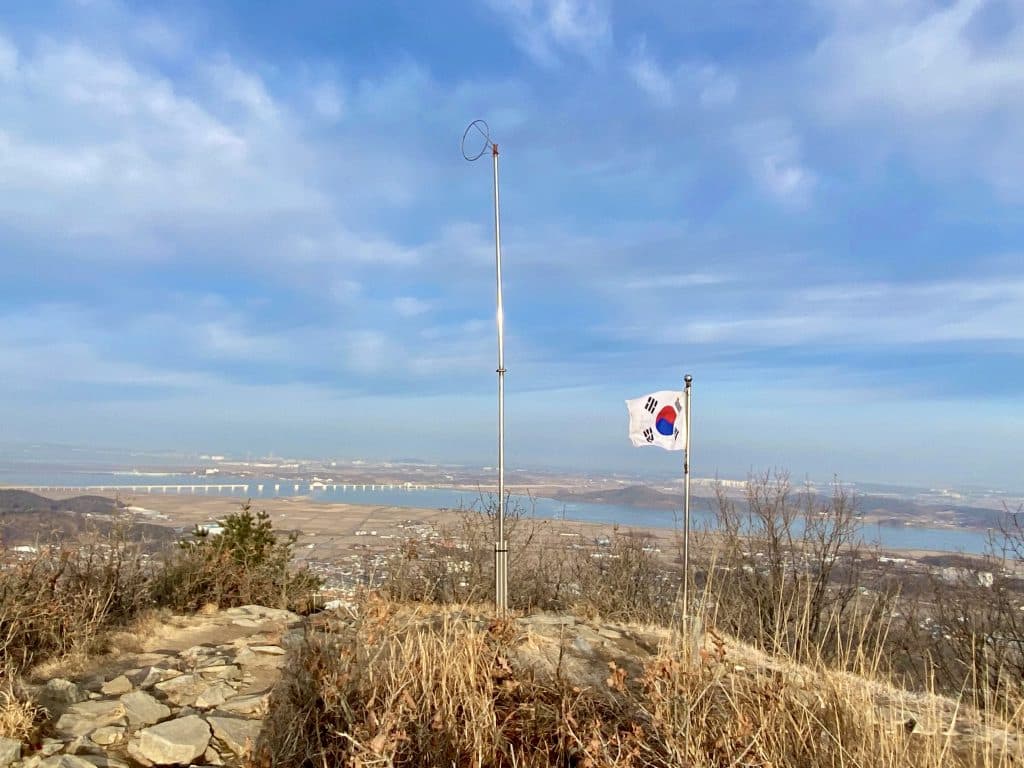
(196, 691)
(194, 695)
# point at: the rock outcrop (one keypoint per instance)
(197, 698)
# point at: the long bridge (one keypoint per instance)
(206, 488)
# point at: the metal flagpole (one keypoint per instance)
(688, 380)
(501, 546)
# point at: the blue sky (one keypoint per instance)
(247, 227)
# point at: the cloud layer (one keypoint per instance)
(202, 228)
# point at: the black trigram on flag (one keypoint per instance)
(649, 435)
(650, 405)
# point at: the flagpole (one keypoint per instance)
(688, 380)
(501, 546)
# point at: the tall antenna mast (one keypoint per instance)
(500, 546)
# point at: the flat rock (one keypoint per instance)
(58, 694)
(255, 704)
(588, 634)
(247, 658)
(86, 716)
(147, 677)
(236, 734)
(10, 750)
(176, 742)
(245, 623)
(82, 746)
(142, 709)
(66, 761)
(51, 747)
(275, 650)
(270, 614)
(182, 691)
(582, 646)
(212, 757)
(117, 686)
(220, 672)
(107, 735)
(105, 761)
(215, 695)
(219, 659)
(92, 683)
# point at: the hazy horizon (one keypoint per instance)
(236, 228)
(120, 459)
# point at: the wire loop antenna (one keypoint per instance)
(477, 127)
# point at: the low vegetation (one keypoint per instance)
(404, 684)
(245, 563)
(813, 650)
(65, 597)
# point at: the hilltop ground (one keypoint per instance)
(809, 655)
(407, 684)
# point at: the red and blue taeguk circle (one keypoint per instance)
(665, 423)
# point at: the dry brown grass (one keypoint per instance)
(415, 685)
(18, 715)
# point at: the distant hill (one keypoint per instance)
(630, 496)
(886, 509)
(28, 518)
(25, 501)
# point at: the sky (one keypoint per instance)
(248, 228)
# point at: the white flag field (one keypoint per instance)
(658, 419)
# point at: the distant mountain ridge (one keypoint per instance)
(632, 496)
(28, 518)
(13, 500)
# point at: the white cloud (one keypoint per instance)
(717, 88)
(368, 352)
(701, 83)
(8, 58)
(243, 88)
(546, 28)
(226, 338)
(345, 291)
(773, 154)
(921, 65)
(652, 80)
(97, 145)
(159, 37)
(945, 89)
(671, 281)
(410, 306)
(862, 314)
(328, 101)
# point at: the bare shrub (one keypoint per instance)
(787, 569)
(619, 578)
(967, 633)
(64, 598)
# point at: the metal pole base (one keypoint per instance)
(692, 636)
(501, 577)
